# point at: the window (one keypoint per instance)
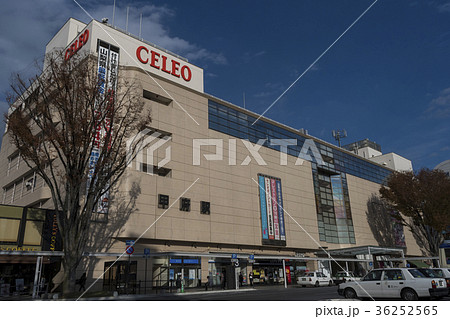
(156, 97)
(417, 273)
(155, 170)
(163, 201)
(185, 204)
(373, 275)
(205, 208)
(30, 183)
(393, 274)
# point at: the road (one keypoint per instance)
(270, 293)
(274, 293)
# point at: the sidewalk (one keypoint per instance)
(154, 296)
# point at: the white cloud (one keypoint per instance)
(27, 26)
(444, 7)
(154, 29)
(439, 107)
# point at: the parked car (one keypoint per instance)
(315, 278)
(344, 276)
(404, 283)
(439, 273)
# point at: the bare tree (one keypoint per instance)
(423, 199)
(72, 128)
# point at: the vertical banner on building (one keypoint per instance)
(107, 69)
(280, 211)
(269, 208)
(276, 225)
(262, 199)
(272, 216)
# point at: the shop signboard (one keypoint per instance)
(272, 214)
(175, 260)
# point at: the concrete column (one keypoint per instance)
(205, 270)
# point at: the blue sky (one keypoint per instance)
(386, 79)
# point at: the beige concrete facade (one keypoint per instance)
(234, 223)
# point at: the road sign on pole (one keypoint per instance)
(130, 250)
(234, 258)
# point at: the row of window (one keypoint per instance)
(185, 204)
(238, 124)
(22, 187)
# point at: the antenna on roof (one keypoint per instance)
(114, 11)
(244, 99)
(338, 134)
(126, 26)
(140, 26)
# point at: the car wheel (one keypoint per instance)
(330, 283)
(409, 295)
(316, 284)
(349, 293)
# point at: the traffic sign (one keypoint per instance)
(146, 251)
(251, 258)
(130, 250)
(130, 242)
(234, 258)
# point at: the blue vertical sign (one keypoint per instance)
(262, 197)
(280, 211)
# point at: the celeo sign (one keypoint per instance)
(77, 45)
(164, 63)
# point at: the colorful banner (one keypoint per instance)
(108, 66)
(276, 226)
(272, 216)
(269, 209)
(280, 211)
(262, 197)
(288, 274)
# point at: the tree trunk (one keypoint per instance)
(70, 267)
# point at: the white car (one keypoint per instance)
(440, 273)
(404, 283)
(315, 278)
(344, 276)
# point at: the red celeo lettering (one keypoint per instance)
(163, 63)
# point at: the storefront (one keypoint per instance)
(25, 234)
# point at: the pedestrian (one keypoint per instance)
(178, 283)
(224, 279)
(241, 279)
(82, 282)
(207, 283)
(251, 279)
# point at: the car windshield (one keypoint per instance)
(419, 273)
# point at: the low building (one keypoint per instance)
(372, 151)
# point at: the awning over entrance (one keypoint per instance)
(364, 250)
(418, 263)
